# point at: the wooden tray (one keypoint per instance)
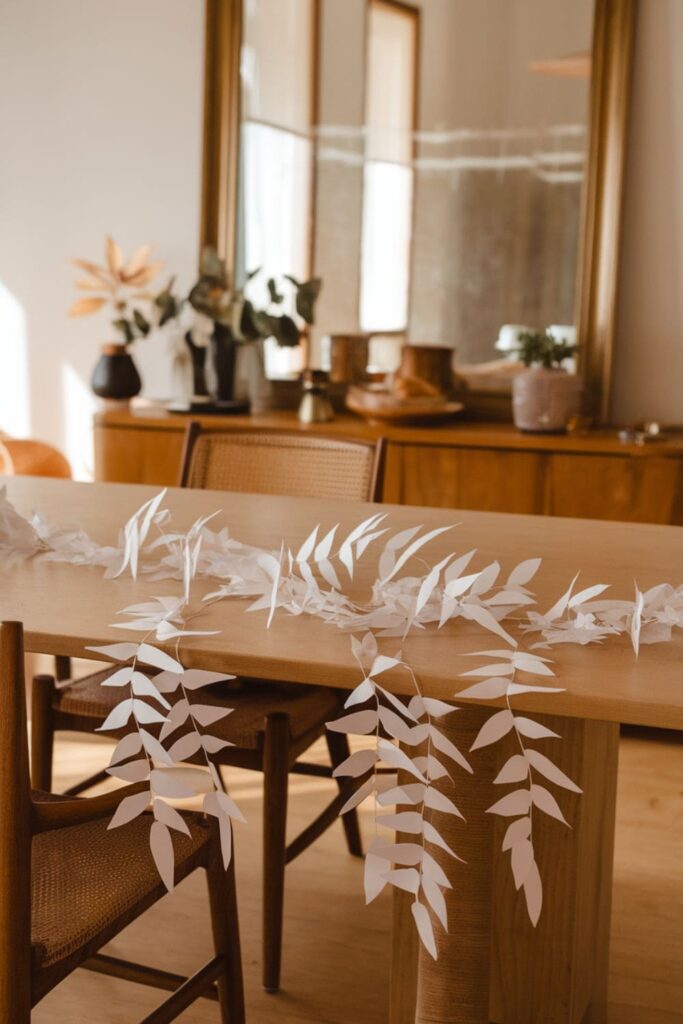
(377, 405)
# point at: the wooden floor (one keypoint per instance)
(336, 960)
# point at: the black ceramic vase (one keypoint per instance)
(224, 354)
(198, 353)
(115, 375)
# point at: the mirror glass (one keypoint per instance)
(425, 159)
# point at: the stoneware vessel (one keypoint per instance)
(544, 400)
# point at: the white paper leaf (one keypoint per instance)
(499, 669)
(374, 876)
(432, 835)
(225, 835)
(364, 691)
(521, 860)
(207, 714)
(129, 808)
(360, 762)
(144, 687)
(116, 652)
(515, 769)
(149, 655)
(328, 573)
(518, 830)
(412, 793)
(546, 802)
(518, 802)
(424, 928)
(404, 821)
(407, 879)
(493, 729)
(195, 678)
(396, 702)
(533, 730)
(360, 723)
(393, 755)
(445, 746)
(531, 663)
(399, 729)
(484, 617)
(533, 891)
(428, 584)
(433, 870)
(117, 718)
(551, 772)
(431, 767)
(382, 664)
(126, 747)
(362, 793)
(486, 579)
(399, 853)
(146, 714)
(177, 716)
(436, 900)
(439, 802)
(179, 783)
(588, 594)
(524, 572)
(412, 549)
(162, 851)
(119, 678)
(457, 587)
(212, 744)
(218, 803)
(489, 689)
(306, 549)
(168, 816)
(325, 546)
(186, 746)
(431, 706)
(133, 771)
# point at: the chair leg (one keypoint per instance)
(338, 746)
(275, 779)
(42, 732)
(226, 935)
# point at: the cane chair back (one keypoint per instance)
(293, 464)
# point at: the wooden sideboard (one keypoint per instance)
(480, 466)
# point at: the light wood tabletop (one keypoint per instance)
(491, 966)
(66, 607)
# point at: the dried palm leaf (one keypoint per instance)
(83, 307)
(114, 256)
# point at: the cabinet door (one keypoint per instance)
(133, 455)
(628, 488)
(485, 479)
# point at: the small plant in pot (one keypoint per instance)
(544, 395)
(117, 284)
(225, 319)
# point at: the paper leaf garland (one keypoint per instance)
(166, 726)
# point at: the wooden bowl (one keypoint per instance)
(377, 405)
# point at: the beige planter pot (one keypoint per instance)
(543, 401)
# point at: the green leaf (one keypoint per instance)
(213, 266)
(126, 329)
(286, 332)
(306, 298)
(141, 322)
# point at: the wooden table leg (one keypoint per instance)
(556, 973)
(455, 988)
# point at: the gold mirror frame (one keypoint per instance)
(612, 48)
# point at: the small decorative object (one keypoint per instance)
(315, 404)
(544, 396)
(348, 358)
(378, 405)
(235, 320)
(425, 370)
(115, 375)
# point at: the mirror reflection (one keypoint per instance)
(426, 159)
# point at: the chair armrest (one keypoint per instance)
(54, 814)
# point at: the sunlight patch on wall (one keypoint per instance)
(15, 406)
(79, 405)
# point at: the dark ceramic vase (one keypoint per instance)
(224, 354)
(198, 354)
(115, 375)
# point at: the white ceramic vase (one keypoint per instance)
(544, 400)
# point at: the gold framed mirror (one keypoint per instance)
(594, 257)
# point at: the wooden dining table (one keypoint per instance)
(492, 964)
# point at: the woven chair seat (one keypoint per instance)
(88, 883)
(308, 707)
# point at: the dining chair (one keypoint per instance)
(272, 724)
(68, 884)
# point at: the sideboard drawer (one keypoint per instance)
(635, 490)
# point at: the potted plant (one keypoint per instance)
(226, 319)
(117, 284)
(544, 395)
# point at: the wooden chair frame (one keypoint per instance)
(276, 757)
(22, 816)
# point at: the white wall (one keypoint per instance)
(648, 371)
(100, 122)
